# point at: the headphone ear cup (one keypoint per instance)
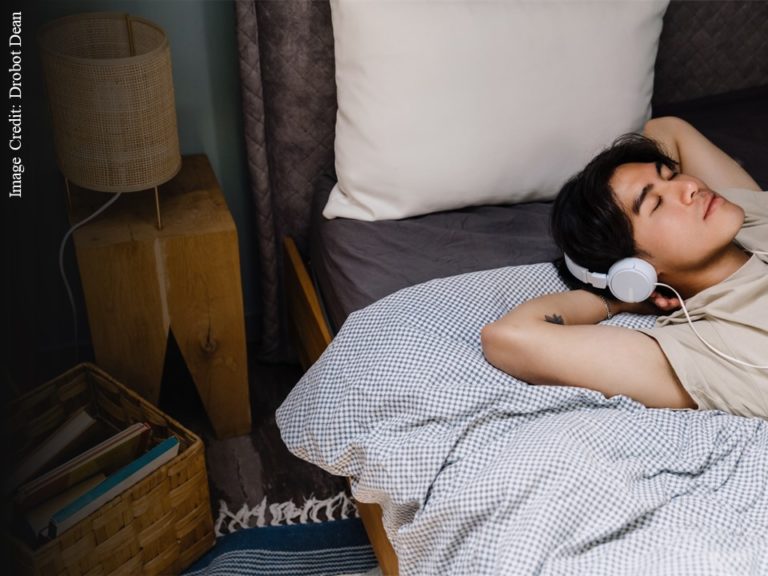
(632, 279)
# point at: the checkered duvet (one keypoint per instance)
(480, 473)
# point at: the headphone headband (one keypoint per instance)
(595, 279)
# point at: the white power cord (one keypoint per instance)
(61, 259)
(700, 337)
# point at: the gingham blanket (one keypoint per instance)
(480, 473)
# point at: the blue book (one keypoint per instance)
(114, 484)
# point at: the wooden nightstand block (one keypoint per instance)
(141, 282)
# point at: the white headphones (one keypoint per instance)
(629, 280)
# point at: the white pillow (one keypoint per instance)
(452, 103)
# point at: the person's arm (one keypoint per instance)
(554, 340)
(698, 156)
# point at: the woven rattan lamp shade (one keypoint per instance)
(110, 89)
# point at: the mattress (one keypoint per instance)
(356, 263)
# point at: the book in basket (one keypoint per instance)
(78, 430)
(113, 485)
(108, 456)
(38, 518)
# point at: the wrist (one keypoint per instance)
(610, 307)
(629, 307)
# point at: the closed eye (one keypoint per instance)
(671, 174)
(658, 203)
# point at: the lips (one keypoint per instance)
(712, 204)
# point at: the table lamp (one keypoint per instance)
(110, 91)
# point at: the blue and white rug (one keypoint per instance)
(334, 548)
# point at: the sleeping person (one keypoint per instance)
(665, 208)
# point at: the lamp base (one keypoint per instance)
(157, 203)
(157, 209)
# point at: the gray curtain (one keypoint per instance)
(289, 110)
(289, 104)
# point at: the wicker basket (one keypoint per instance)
(158, 526)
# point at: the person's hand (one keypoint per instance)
(657, 304)
(664, 303)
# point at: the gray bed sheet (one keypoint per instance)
(356, 263)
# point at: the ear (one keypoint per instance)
(664, 303)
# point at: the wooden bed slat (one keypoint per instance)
(310, 331)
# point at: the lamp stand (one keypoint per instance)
(157, 210)
(157, 202)
(69, 196)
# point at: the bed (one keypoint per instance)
(601, 486)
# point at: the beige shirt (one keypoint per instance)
(733, 317)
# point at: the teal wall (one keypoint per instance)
(202, 38)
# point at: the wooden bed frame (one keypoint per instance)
(311, 335)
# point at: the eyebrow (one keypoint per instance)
(638, 202)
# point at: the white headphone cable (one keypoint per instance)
(700, 337)
(61, 260)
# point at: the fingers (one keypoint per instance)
(664, 303)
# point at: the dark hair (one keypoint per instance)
(587, 221)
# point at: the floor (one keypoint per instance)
(254, 480)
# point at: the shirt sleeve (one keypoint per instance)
(713, 382)
(754, 232)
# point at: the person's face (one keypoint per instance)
(679, 224)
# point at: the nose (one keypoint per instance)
(685, 189)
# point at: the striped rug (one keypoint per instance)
(333, 548)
